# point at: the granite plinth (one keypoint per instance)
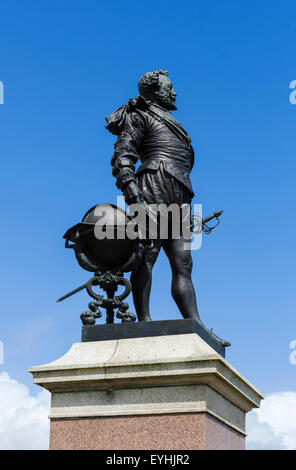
(186, 431)
(152, 385)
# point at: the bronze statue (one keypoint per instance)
(148, 132)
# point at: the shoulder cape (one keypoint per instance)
(116, 120)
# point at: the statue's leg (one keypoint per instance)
(183, 291)
(141, 280)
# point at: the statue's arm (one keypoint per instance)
(126, 155)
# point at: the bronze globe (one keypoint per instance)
(94, 249)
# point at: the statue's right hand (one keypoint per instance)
(133, 194)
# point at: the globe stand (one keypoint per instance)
(109, 281)
(101, 255)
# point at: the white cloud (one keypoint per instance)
(273, 425)
(24, 423)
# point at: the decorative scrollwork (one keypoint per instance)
(89, 317)
(109, 282)
(124, 315)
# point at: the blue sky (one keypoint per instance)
(65, 66)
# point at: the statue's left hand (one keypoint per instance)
(133, 194)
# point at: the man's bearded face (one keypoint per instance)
(166, 95)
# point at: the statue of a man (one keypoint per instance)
(148, 132)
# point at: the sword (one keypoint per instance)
(72, 292)
(215, 215)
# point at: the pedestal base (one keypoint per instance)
(165, 392)
(186, 431)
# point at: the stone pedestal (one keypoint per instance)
(162, 392)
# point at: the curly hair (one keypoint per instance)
(149, 81)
